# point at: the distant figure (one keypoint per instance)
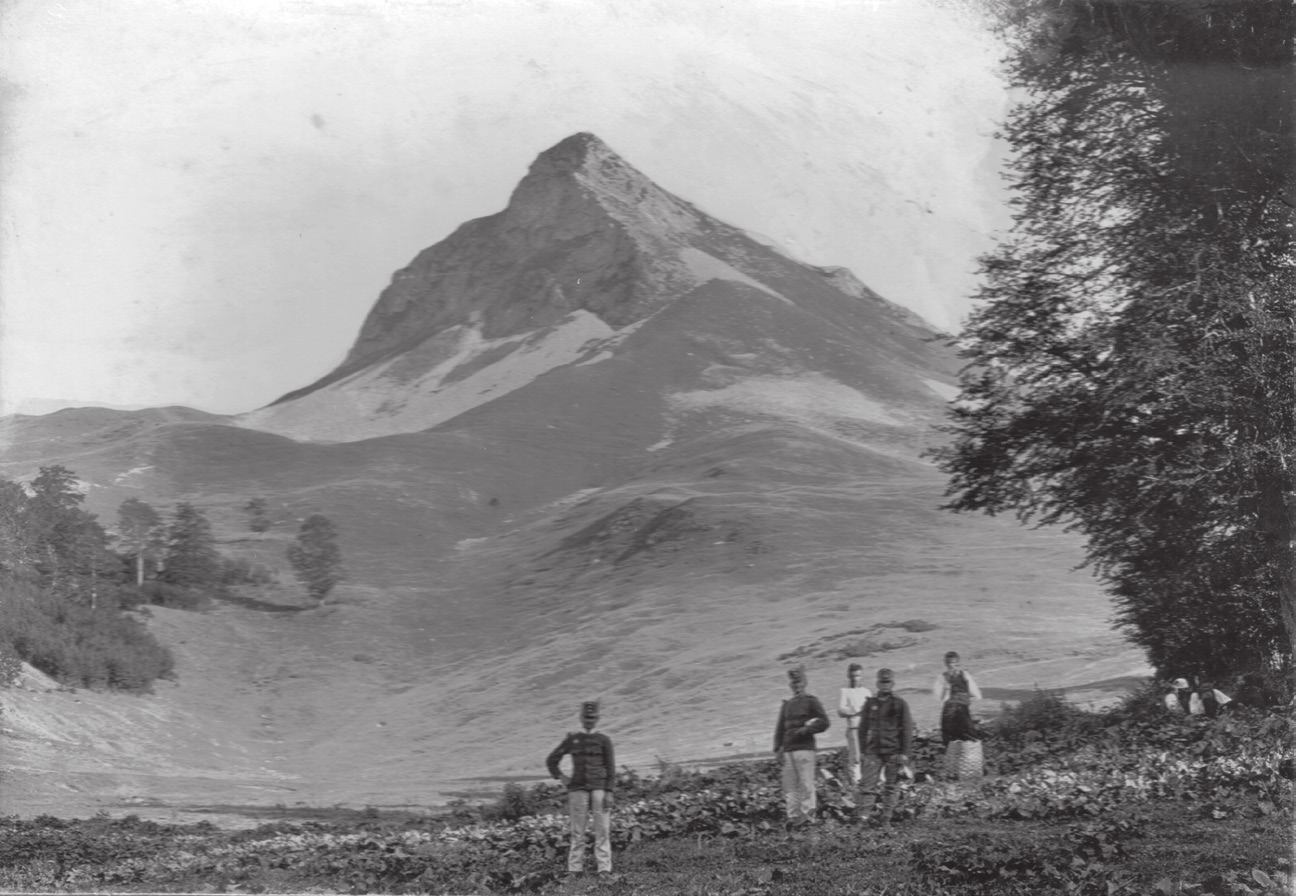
(956, 690)
(589, 789)
(800, 718)
(1179, 697)
(1208, 701)
(886, 732)
(849, 708)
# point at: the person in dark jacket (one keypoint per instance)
(886, 732)
(589, 789)
(800, 718)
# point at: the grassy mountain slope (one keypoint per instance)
(722, 478)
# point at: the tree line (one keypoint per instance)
(65, 579)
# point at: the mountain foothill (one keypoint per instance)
(598, 445)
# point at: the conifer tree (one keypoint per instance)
(65, 544)
(191, 557)
(315, 556)
(53, 518)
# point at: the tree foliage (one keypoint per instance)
(46, 533)
(191, 558)
(78, 644)
(142, 533)
(62, 589)
(1132, 359)
(316, 557)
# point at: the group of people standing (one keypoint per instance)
(879, 736)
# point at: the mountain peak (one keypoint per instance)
(598, 172)
(574, 153)
(588, 245)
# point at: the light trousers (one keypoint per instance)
(799, 784)
(853, 754)
(584, 806)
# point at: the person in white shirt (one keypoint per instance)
(1179, 697)
(849, 708)
(1208, 701)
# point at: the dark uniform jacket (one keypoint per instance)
(800, 718)
(593, 764)
(886, 727)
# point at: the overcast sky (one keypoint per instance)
(201, 200)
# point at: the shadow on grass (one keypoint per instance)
(261, 606)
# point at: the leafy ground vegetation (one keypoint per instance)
(1128, 801)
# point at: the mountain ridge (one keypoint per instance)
(587, 251)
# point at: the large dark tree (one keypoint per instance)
(1132, 358)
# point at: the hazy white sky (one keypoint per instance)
(201, 200)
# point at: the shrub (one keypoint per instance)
(1147, 700)
(10, 667)
(76, 644)
(521, 802)
(1041, 713)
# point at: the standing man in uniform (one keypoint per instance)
(800, 718)
(886, 731)
(589, 789)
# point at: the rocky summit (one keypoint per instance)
(587, 251)
(597, 445)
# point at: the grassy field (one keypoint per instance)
(1128, 801)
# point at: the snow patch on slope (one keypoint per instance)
(811, 399)
(944, 390)
(134, 471)
(707, 267)
(379, 401)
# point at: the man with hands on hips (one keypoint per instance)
(589, 789)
